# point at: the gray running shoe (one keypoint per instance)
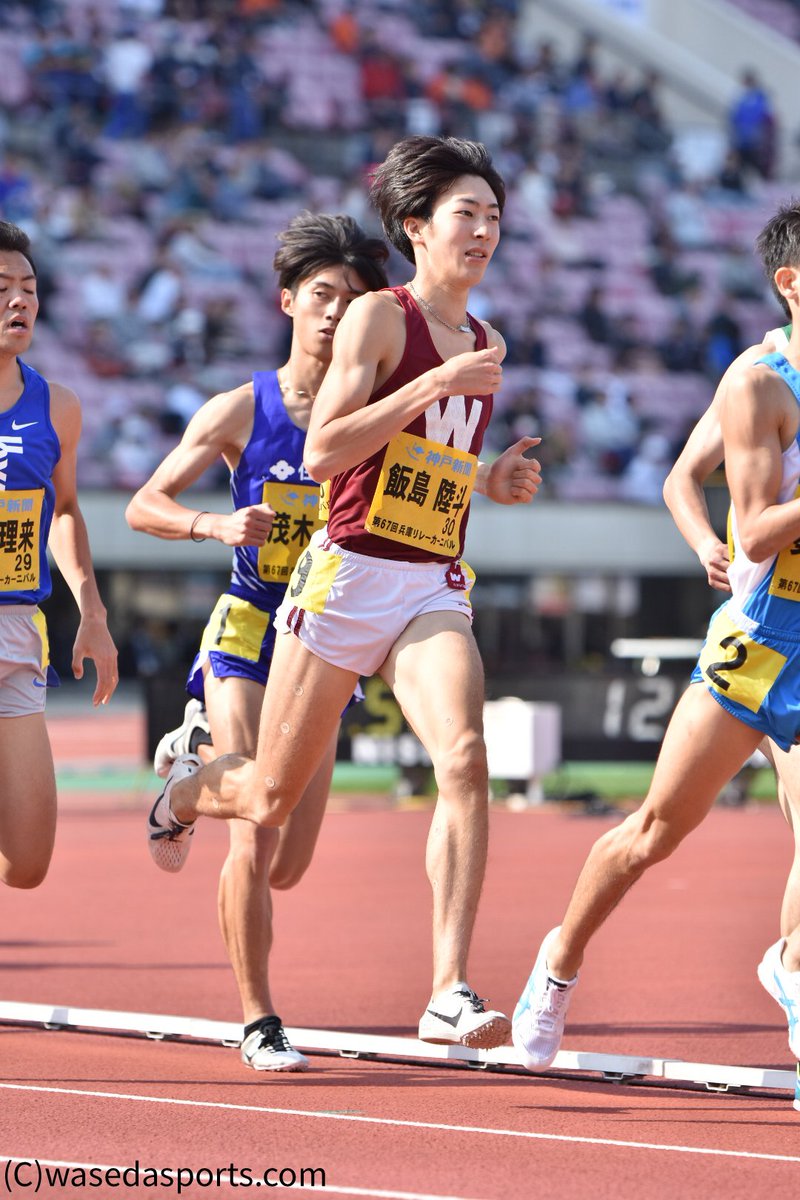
(169, 840)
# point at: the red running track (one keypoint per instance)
(671, 975)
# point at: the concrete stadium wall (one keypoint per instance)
(549, 536)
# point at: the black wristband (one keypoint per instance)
(191, 527)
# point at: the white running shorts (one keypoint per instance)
(350, 609)
(24, 656)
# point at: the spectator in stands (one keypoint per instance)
(669, 275)
(126, 63)
(383, 80)
(104, 296)
(649, 127)
(753, 121)
(159, 293)
(739, 276)
(103, 350)
(722, 343)
(527, 347)
(686, 215)
(644, 476)
(16, 189)
(608, 430)
(732, 177)
(594, 317)
(681, 349)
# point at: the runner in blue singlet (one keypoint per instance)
(40, 426)
(259, 430)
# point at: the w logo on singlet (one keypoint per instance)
(9, 444)
(453, 422)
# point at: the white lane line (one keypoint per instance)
(237, 1180)
(398, 1124)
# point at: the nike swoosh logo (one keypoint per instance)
(23, 425)
(443, 1017)
(38, 683)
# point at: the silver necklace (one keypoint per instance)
(465, 328)
(289, 387)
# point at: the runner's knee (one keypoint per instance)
(463, 766)
(645, 841)
(269, 804)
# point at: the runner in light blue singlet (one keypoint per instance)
(751, 659)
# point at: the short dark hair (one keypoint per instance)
(416, 171)
(779, 245)
(313, 241)
(14, 238)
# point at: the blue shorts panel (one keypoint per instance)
(224, 666)
(754, 673)
(238, 623)
(237, 642)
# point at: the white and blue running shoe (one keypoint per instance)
(783, 986)
(537, 1026)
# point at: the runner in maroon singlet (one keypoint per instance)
(397, 427)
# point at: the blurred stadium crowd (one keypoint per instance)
(153, 148)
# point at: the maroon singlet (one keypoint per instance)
(352, 491)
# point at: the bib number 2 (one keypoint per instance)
(738, 667)
(715, 670)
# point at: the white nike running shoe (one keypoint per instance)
(459, 1018)
(267, 1048)
(783, 986)
(170, 840)
(538, 1022)
(193, 731)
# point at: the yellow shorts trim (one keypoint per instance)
(235, 627)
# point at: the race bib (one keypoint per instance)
(786, 571)
(297, 517)
(236, 627)
(20, 527)
(738, 667)
(422, 494)
(324, 501)
(312, 579)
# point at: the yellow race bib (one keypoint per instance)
(422, 494)
(736, 666)
(297, 517)
(786, 571)
(236, 627)
(20, 528)
(324, 500)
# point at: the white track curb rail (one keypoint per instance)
(615, 1068)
